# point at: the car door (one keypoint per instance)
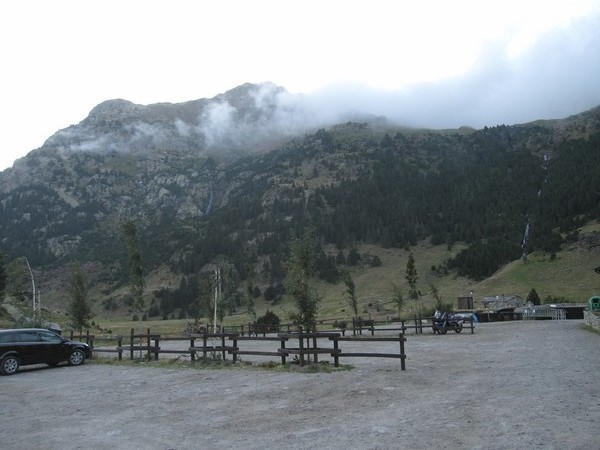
(52, 348)
(8, 342)
(29, 347)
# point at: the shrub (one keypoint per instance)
(269, 322)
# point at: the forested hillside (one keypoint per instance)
(501, 192)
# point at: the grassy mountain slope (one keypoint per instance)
(569, 275)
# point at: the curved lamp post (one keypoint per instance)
(32, 284)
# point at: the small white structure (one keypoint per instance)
(544, 312)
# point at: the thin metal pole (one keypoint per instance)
(32, 284)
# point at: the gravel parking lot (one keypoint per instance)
(511, 385)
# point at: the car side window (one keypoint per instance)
(28, 336)
(49, 337)
(7, 337)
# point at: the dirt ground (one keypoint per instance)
(511, 385)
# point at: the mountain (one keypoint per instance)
(228, 180)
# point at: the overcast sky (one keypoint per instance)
(422, 63)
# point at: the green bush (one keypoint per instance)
(269, 322)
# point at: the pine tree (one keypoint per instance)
(351, 292)
(300, 268)
(79, 309)
(533, 297)
(398, 298)
(136, 278)
(250, 309)
(411, 279)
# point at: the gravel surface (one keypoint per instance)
(511, 385)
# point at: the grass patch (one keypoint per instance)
(590, 329)
(321, 367)
(216, 363)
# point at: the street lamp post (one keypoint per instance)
(32, 285)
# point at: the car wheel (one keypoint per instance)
(9, 365)
(77, 357)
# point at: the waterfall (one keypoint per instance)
(525, 242)
(527, 232)
(210, 200)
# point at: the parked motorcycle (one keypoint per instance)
(444, 321)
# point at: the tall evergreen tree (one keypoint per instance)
(411, 279)
(351, 292)
(136, 278)
(299, 272)
(250, 308)
(398, 298)
(79, 309)
(533, 297)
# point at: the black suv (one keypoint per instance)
(26, 346)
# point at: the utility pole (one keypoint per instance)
(217, 295)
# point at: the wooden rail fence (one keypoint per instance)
(309, 344)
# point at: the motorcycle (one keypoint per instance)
(444, 321)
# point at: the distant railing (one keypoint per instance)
(544, 312)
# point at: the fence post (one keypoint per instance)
(235, 346)
(223, 342)
(204, 343)
(192, 351)
(156, 347)
(148, 342)
(336, 356)
(89, 339)
(120, 346)
(131, 345)
(283, 348)
(301, 345)
(402, 355)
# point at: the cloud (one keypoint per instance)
(265, 113)
(556, 77)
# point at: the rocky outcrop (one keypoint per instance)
(500, 302)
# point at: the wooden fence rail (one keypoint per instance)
(358, 326)
(308, 345)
